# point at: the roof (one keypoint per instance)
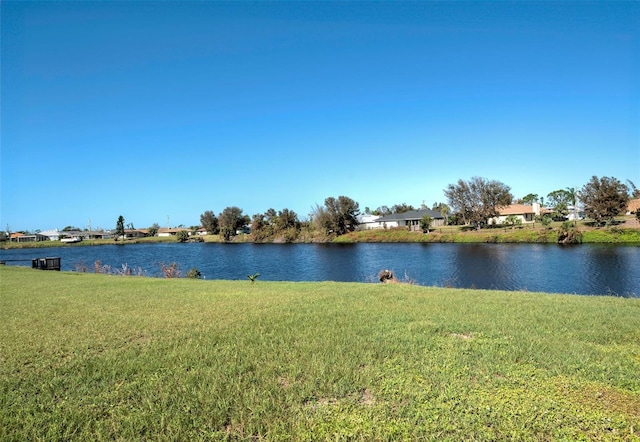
(633, 205)
(171, 229)
(366, 218)
(410, 215)
(517, 209)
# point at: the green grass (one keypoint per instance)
(526, 234)
(96, 357)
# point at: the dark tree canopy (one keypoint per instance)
(382, 211)
(286, 219)
(230, 220)
(338, 216)
(209, 222)
(604, 198)
(478, 199)
(559, 200)
(119, 227)
(402, 208)
(530, 199)
(260, 227)
(182, 236)
(272, 223)
(153, 229)
(425, 223)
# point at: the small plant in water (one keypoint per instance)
(253, 277)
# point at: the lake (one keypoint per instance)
(587, 269)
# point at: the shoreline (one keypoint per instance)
(602, 235)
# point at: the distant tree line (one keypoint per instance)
(471, 202)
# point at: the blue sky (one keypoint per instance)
(161, 110)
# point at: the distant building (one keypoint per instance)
(22, 237)
(54, 235)
(524, 212)
(410, 220)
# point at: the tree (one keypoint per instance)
(71, 229)
(572, 195)
(230, 220)
(544, 219)
(338, 216)
(260, 228)
(634, 192)
(182, 236)
(560, 200)
(401, 208)
(382, 211)
(443, 209)
(153, 229)
(425, 223)
(287, 219)
(271, 216)
(209, 222)
(604, 198)
(478, 199)
(512, 220)
(119, 228)
(530, 199)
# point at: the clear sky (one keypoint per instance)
(156, 110)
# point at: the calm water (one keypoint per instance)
(583, 269)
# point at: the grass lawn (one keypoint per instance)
(97, 357)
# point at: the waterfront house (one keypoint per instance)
(410, 220)
(368, 221)
(524, 212)
(22, 237)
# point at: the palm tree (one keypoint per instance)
(573, 197)
(445, 210)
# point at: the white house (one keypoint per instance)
(367, 221)
(410, 220)
(53, 234)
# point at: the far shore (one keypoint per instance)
(627, 232)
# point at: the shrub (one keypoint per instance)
(253, 277)
(170, 270)
(194, 273)
(569, 234)
(386, 276)
(182, 236)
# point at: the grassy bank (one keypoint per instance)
(613, 235)
(95, 357)
(456, 234)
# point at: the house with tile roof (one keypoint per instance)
(524, 212)
(23, 237)
(633, 206)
